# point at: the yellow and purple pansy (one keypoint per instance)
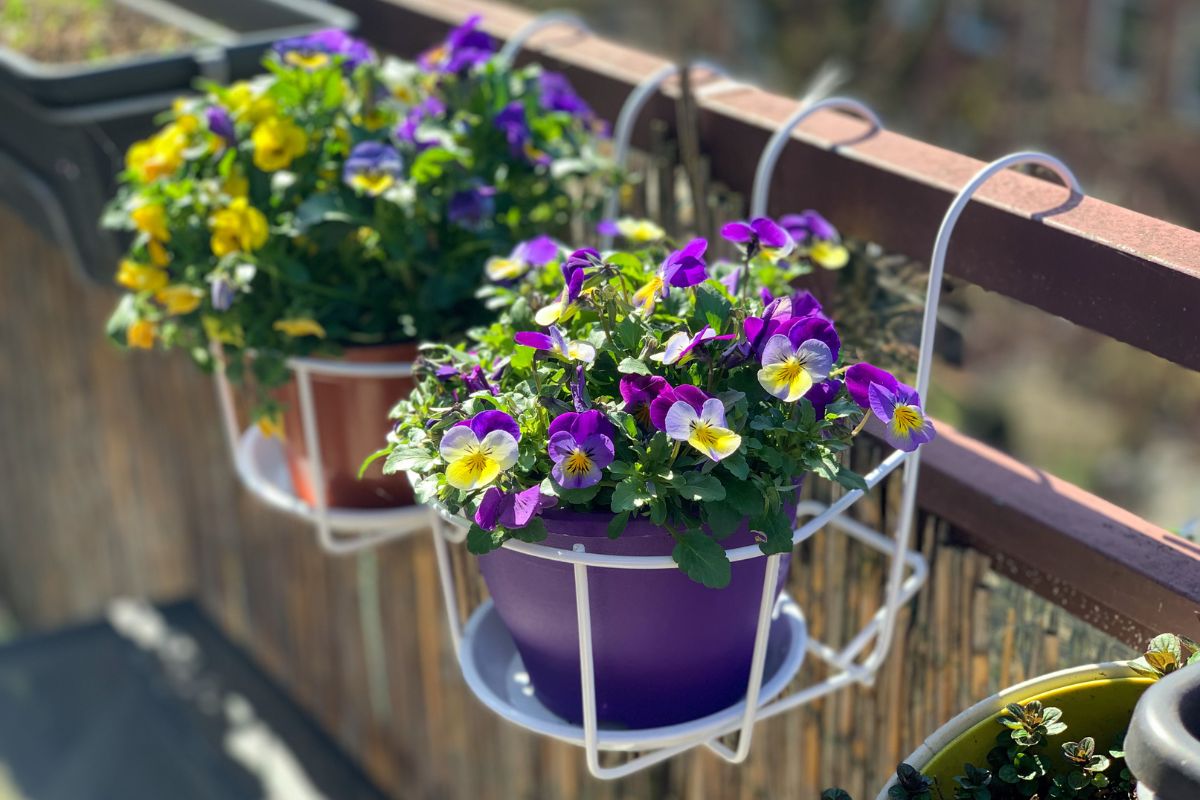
(816, 237)
(574, 272)
(680, 346)
(478, 450)
(581, 446)
(897, 405)
(372, 168)
(536, 252)
(319, 49)
(556, 342)
(704, 428)
(682, 268)
(465, 47)
(760, 236)
(790, 370)
(511, 510)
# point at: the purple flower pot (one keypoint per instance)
(666, 649)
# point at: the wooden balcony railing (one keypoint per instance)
(1123, 274)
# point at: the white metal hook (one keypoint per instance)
(779, 139)
(627, 118)
(933, 293)
(508, 53)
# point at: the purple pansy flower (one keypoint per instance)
(512, 123)
(779, 317)
(817, 238)
(679, 347)
(639, 391)
(581, 447)
(668, 397)
(759, 236)
(220, 123)
(464, 47)
(558, 95)
(473, 207)
(556, 342)
(682, 268)
(222, 293)
(905, 425)
(533, 253)
(511, 511)
(608, 227)
(409, 128)
(372, 168)
(574, 272)
(477, 450)
(317, 49)
(860, 377)
(704, 429)
(790, 370)
(822, 395)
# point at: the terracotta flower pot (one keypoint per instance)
(352, 423)
(1096, 700)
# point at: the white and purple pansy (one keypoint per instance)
(581, 446)
(537, 252)
(760, 237)
(682, 268)
(556, 342)
(478, 450)
(706, 429)
(790, 370)
(574, 272)
(679, 347)
(372, 168)
(511, 510)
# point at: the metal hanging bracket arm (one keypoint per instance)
(512, 47)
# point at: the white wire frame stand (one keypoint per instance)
(856, 662)
(259, 461)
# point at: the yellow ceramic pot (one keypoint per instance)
(1096, 700)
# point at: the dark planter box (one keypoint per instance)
(66, 127)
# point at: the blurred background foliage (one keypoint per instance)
(1111, 86)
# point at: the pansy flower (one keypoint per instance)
(705, 430)
(511, 510)
(682, 268)
(859, 379)
(822, 395)
(817, 238)
(679, 347)
(556, 342)
(372, 168)
(512, 123)
(779, 318)
(759, 237)
(471, 208)
(581, 447)
(533, 253)
(639, 392)
(905, 425)
(790, 370)
(409, 128)
(318, 49)
(639, 231)
(668, 397)
(477, 450)
(574, 271)
(464, 47)
(220, 124)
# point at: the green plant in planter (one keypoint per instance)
(341, 199)
(645, 384)
(1029, 762)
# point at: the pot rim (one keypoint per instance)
(949, 732)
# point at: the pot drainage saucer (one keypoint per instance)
(494, 671)
(263, 470)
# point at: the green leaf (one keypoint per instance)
(404, 459)
(626, 495)
(711, 309)
(617, 526)
(704, 488)
(703, 560)
(745, 496)
(625, 261)
(480, 541)
(319, 208)
(777, 527)
(633, 366)
(534, 531)
(850, 479)
(723, 519)
(431, 163)
(576, 496)
(371, 459)
(1008, 774)
(737, 466)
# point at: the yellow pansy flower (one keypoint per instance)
(236, 185)
(238, 228)
(159, 256)
(299, 326)
(277, 143)
(179, 298)
(247, 104)
(141, 334)
(141, 277)
(159, 156)
(271, 426)
(218, 331)
(830, 255)
(151, 219)
(639, 230)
